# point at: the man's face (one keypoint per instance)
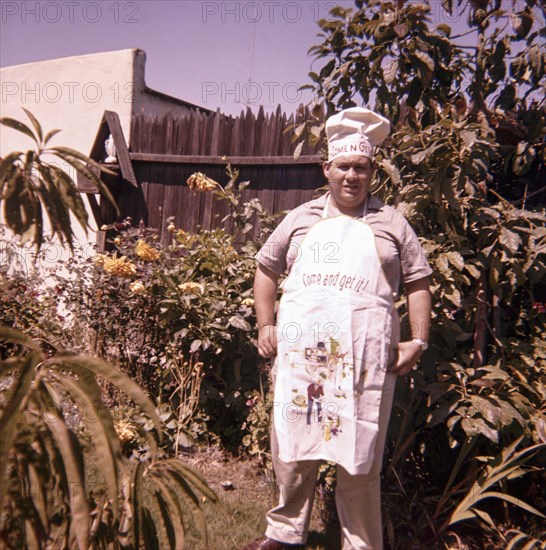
(349, 178)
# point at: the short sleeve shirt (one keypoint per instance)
(400, 252)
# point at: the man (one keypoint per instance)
(346, 254)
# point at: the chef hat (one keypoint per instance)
(355, 131)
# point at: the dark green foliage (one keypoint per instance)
(465, 164)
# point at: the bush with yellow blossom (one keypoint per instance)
(151, 301)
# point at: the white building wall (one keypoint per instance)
(71, 94)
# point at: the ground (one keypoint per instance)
(246, 492)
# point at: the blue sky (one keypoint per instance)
(219, 54)
(213, 53)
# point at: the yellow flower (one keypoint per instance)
(231, 252)
(189, 287)
(200, 182)
(125, 431)
(119, 266)
(248, 302)
(137, 287)
(146, 252)
(171, 228)
(117, 241)
(99, 259)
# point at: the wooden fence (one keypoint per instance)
(165, 151)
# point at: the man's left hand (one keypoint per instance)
(408, 355)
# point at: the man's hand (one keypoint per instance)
(418, 295)
(267, 341)
(265, 295)
(408, 355)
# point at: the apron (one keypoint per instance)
(334, 331)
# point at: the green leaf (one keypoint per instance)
(175, 507)
(239, 322)
(118, 378)
(515, 540)
(425, 59)
(522, 22)
(72, 462)
(195, 345)
(35, 123)
(495, 271)
(469, 138)
(455, 259)
(190, 499)
(97, 418)
(49, 135)
(444, 29)
(507, 98)
(484, 516)
(512, 500)
(419, 157)
(71, 197)
(298, 149)
(510, 240)
(476, 426)
(10, 416)
(391, 71)
(19, 126)
(518, 67)
(137, 497)
(401, 30)
(391, 170)
(8, 334)
(536, 60)
(473, 270)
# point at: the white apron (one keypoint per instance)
(335, 325)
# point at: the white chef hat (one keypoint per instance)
(355, 131)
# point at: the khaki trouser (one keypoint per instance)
(358, 497)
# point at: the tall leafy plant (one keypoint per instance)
(151, 304)
(464, 163)
(55, 426)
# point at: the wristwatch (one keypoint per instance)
(423, 344)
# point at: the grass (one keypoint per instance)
(245, 505)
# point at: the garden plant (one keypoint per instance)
(66, 482)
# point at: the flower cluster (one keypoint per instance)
(200, 182)
(190, 287)
(99, 259)
(146, 252)
(115, 266)
(137, 287)
(125, 431)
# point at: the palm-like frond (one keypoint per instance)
(29, 185)
(508, 465)
(50, 458)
